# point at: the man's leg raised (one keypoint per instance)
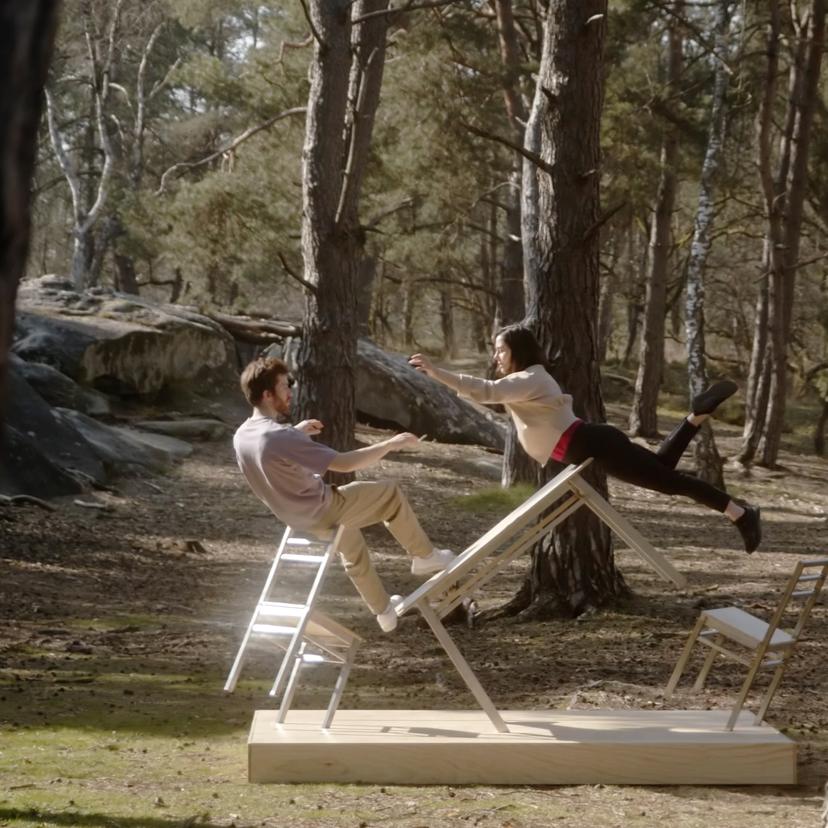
(366, 503)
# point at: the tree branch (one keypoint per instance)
(248, 133)
(409, 6)
(308, 17)
(528, 154)
(65, 162)
(294, 275)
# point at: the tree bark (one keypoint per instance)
(644, 411)
(805, 86)
(783, 192)
(447, 323)
(636, 267)
(574, 569)
(345, 83)
(510, 292)
(708, 460)
(27, 33)
(521, 208)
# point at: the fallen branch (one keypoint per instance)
(256, 331)
(20, 500)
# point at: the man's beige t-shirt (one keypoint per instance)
(283, 467)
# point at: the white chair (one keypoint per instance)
(306, 635)
(732, 632)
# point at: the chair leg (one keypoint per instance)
(287, 699)
(705, 670)
(769, 693)
(743, 693)
(339, 687)
(683, 659)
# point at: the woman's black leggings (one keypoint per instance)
(627, 461)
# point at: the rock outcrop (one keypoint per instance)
(99, 354)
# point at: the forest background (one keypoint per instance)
(173, 161)
(170, 165)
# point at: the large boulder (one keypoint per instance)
(120, 343)
(27, 470)
(57, 389)
(123, 450)
(390, 391)
(33, 419)
(391, 394)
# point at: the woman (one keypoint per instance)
(548, 429)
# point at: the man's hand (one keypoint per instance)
(401, 441)
(310, 427)
(422, 363)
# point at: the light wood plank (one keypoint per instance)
(543, 747)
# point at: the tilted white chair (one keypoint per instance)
(758, 644)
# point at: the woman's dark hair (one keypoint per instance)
(526, 350)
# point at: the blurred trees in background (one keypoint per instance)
(170, 164)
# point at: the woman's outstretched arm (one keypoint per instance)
(516, 387)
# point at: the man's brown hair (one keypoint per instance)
(261, 375)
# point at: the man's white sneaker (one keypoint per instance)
(387, 619)
(437, 561)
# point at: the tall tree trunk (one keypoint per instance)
(644, 412)
(806, 69)
(409, 296)
(521, 215)
(708, 461)
(819, 429)
(345, 83)
(447, 323)
(636, 267)
(758, 381)
(574, 569)
(606, 298)
(510, 293)
(510, 302)
(26, 37)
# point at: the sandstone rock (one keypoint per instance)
(123, 450)
(30, 415)
(188, 428)
(57, 389)
(120, 344)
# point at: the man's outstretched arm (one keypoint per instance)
(348, 461)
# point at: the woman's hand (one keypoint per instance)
(422, 363)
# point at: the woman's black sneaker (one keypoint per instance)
(750, 528)
(711, 398)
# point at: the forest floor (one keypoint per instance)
(118, 627)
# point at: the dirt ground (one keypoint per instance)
(118, 626)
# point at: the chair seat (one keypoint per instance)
(744, 628)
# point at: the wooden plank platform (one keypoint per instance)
(544, 747)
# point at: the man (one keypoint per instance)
(283, 466)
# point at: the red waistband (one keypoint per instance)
(559, 452)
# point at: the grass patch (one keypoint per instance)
(494, 499)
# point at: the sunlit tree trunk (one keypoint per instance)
(708, 461)
(345, 83)
(644, 412)
(574, 569)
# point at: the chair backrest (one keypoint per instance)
(804, 585)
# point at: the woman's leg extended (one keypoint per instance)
(703, 405)
(627, 461)
(670, 451)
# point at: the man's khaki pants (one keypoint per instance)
(357, 505)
